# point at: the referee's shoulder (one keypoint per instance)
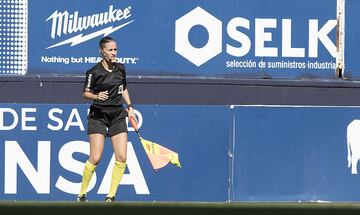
(120, 66)
(93, 69)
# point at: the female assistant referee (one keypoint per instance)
(105, 84)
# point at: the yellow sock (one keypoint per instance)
(117, 174)
(87, 174)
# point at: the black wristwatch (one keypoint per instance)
(130, 105)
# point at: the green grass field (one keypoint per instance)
(174, 208)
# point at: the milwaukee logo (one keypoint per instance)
(64, 23)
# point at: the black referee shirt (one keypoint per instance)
(99, 79)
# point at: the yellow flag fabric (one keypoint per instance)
(158, 155)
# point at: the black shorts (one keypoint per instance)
(107, 121)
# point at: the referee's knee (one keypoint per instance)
(121, 159)
(94, 160)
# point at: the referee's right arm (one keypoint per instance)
(91, 96)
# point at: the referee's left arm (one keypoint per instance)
(127, 100)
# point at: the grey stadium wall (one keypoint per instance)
(188, 91)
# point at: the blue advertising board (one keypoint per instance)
(44, 148)
(296, 154)
(352, 45)
(228, 153)
(251, 38)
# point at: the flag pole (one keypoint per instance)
(133, 124)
